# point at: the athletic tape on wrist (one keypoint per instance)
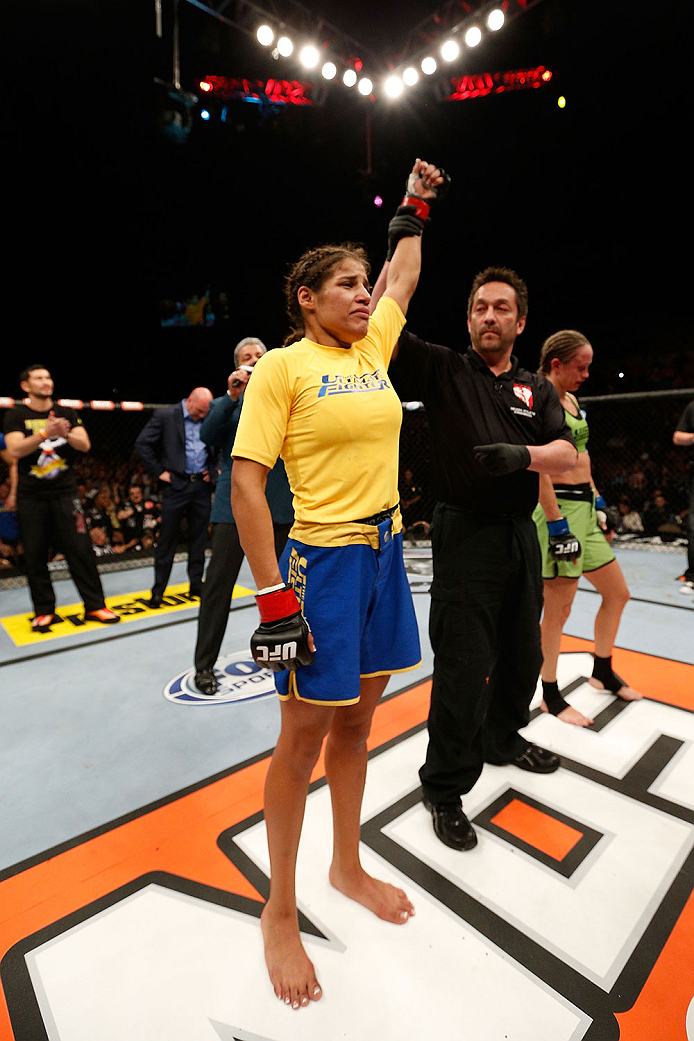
(558, 527)
(420, 206)
(279, 604)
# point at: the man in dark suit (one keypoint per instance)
(172, 451)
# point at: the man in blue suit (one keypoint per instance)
(219, 431)
(173, 452)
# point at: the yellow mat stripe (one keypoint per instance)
(130, 607)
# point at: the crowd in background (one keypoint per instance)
(638, 471)
(121, 505)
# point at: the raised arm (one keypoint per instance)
(400, 273)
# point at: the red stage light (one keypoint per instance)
(478, 86)
(276, 91)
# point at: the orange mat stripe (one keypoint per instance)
(660, 1011)
(538, 829)
(181, 838)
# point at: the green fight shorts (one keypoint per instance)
(579, 511)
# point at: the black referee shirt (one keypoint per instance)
(468, 405)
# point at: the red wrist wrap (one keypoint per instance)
(420, 206)
(280, 604)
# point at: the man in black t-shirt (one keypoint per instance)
(494, 427)
(43, 437)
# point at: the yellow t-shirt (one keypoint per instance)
(333, 416)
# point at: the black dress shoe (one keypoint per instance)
(537, 760)
(206, 682)
(154, 601)
(195, 591)
(451, 825)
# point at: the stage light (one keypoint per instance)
(285, 46)
(309, 56)
(204, 114)
(450, 50)
(410, 76)
(473, 36)
(205, 86)
(621, 375)
(429, 66)
(378, 201)
(349, 78)
(561, 102)
(365, 86)
(265, 35)
(393, 86)
(329, 70)
(495, 20)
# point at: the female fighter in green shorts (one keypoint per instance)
(570, 503)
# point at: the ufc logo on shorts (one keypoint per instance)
(280, 652)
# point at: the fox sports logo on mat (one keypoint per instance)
(239, 678)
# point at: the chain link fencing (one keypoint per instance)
(639, 471)
(636, 467)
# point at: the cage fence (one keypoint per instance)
(642, 475)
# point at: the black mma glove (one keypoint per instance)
(281, 640)
(607, 516)
(501, 459)
(413, 212)
(562, 544)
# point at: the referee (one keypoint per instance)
(494, 427)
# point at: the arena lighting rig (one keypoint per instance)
(298, 39)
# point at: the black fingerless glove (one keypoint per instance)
(563, 545)
(281, 640)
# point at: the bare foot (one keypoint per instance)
(386, 901)
(571, 715)
(625, 693)
(291, 971)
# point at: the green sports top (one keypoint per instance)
(578, 425)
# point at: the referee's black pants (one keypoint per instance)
(52, 522)
(222, 572)
(486, 602)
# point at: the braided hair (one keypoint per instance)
(313, 269)
(562, 345)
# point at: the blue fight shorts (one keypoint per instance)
(358, 603)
